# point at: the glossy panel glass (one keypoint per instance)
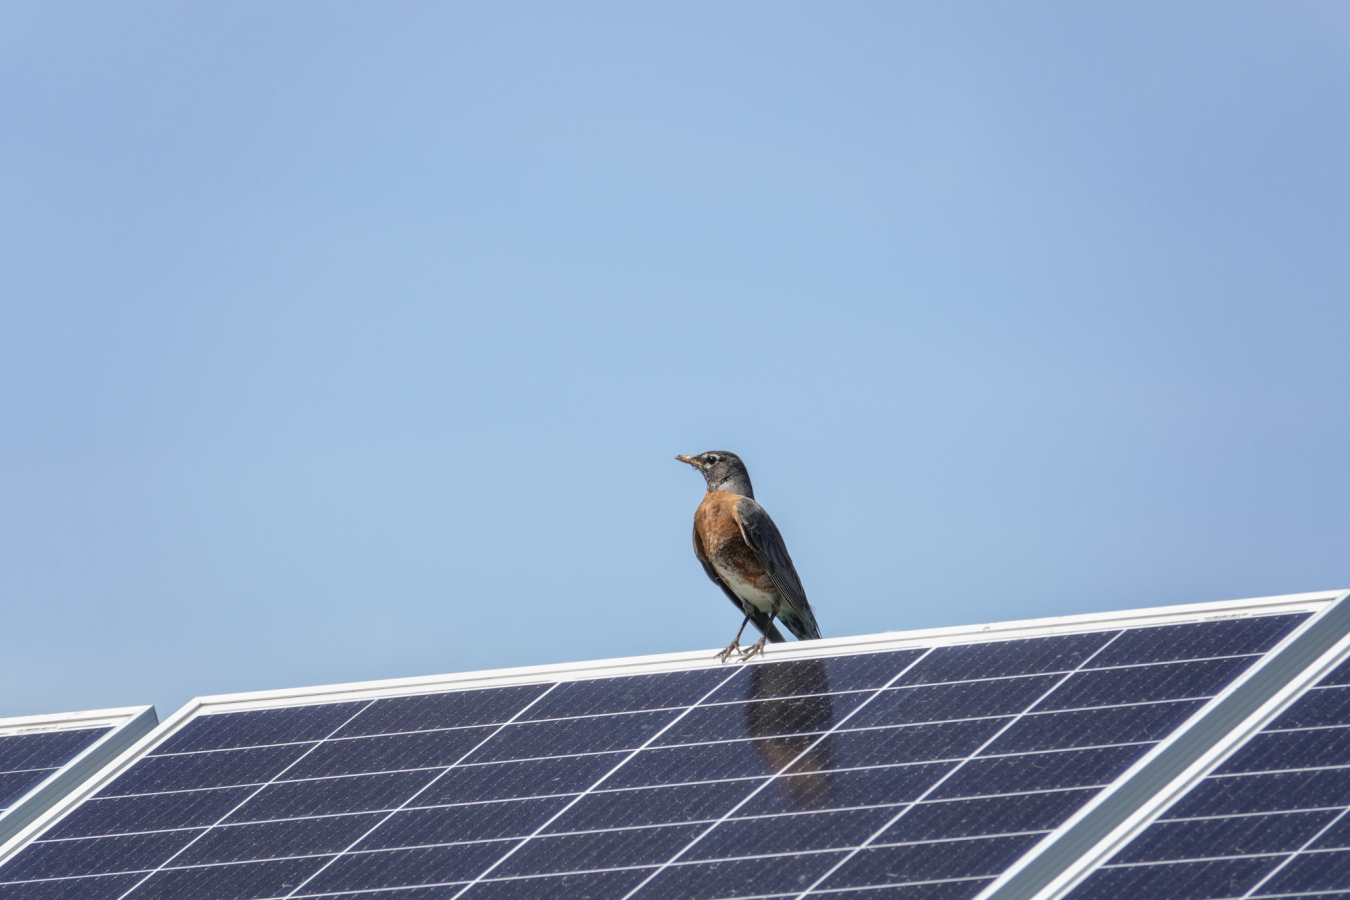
(738, 878)
(388, 753)
(634, 692)
(1001, 659)
(94, 856)
(1093, 727)
(148, 812)
(653, 806)
(329, 796)
(274, 840)
(1198, 640)
(958, 700)
(1218, 878)
(1291, 750)
(1039, 772)
(598, 850)
(243, 881)
(469, 822)
(1146, 684)
(1240, 836)
(260, 727)
(448, 710)
(45, 750)
(986, 815)
(512, 780)
(1318, 707)
(930, 862)
(843, 790)
(589, 886)
(791, 834)
(215, 768)
(394, 868)
(565, 736)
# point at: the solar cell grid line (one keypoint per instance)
(838, 728)
(542, 827)
(949, 775)
(684, 770)
(404, 805)
(1265, 817)
(43, 758)
(802, 754)
(185, 847)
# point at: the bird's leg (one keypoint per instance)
(757, 648)
(735, 646)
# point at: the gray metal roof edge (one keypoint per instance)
(1155, 781)
(135, 722)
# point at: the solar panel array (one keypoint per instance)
(918, 774)
(29, 758)
(1272, 821)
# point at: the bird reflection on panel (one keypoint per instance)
(793, 707)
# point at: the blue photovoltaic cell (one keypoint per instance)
(1269, 822)
(27, 759)
(925, 771)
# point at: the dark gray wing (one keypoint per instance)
(759, 619)
(764, 538)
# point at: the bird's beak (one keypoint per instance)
(689, 459)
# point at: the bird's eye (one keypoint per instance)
(711, 458)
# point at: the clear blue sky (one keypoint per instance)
(354, 341)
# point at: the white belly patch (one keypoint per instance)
(745, 590)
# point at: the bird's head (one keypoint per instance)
(723, 471)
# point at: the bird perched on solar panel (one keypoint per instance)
(743, 553)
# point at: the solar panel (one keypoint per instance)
(42, 758)
(917, 766)
(1271, 820)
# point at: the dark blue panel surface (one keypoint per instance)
(26, 760)
(738, 877)
(1004, 658)
(968, 858)
(464, 822)
(1324, 706)
(288, 837)
(389, 753)
(454, 709)
(587, 886)
(611, 695)
(915, 774)
(261, 727)
(242, 881)
(592, 734)
(96, 856)
(97, 887)
(332, 796)
(220, 768)
(1272, 819)
(957, 700)
(150, 812)
(1165, 643)
(14, 785)
(597, 850)
(986, 815)
(45, 749)
(422, 865)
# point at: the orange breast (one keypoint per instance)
(720, 533)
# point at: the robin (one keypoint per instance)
(744, 554)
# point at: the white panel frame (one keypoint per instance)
(127, 725)
(1316, 603)
(1102, 826)
(1233, 740)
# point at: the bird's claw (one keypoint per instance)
(755, 649)
(733, 650)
